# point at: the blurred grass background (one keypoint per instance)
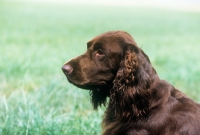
(37, 38)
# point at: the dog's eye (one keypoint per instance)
(99, 53)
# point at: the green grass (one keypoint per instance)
(36, 39)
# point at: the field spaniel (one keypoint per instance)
(140, 103)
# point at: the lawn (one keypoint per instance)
(37, 38)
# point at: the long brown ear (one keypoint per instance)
(130, 95)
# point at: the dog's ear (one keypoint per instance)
(130, 95)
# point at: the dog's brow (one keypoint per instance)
(97, 46)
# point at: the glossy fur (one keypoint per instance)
(139, 102)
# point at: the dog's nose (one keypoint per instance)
(67, 69)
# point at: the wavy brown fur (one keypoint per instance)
(139, 102)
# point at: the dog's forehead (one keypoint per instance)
(111, 37)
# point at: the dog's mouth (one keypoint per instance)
(84, 81)
(88, 85)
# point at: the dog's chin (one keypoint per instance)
(96, 86)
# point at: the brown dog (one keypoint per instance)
(139, 102)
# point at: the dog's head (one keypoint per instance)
(112, 63)
(98, 66)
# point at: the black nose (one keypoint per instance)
(67, 69)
